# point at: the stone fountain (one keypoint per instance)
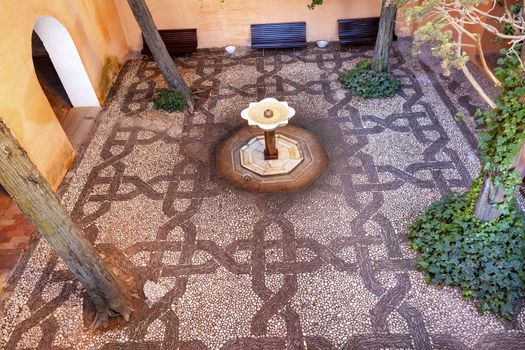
(270, 155)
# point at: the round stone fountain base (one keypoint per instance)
(240, 160)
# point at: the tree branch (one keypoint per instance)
(477, 87)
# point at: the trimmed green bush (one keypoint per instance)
(485, 259)
(170, 100)
(365, 82)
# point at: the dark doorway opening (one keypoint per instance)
(49, 79)
(75, 120)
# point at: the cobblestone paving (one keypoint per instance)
(15, 233)
(328, 268)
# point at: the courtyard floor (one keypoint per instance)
(327, 268)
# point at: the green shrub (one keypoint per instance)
(365, 82)
(170, 100)
(485, 259)
(504, 127)
(366, 64)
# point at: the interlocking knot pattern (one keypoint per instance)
(327, 268)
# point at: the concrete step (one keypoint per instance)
(78, 123)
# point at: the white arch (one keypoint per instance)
(67, 62)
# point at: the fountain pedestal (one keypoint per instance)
(259, 158)
(270, 151)
(253, 156)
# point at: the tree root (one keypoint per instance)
(102, 311)
(200, 96)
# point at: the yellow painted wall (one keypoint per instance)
(228, 23)
(95, 28)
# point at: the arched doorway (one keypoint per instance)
(63, 78)
(65, 82)
(49, 80)
(66, 61)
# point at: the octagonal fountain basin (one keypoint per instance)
(268, 114)
(290, 156)
(241, 161)
(273, 156)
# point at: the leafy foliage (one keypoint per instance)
(451, 26)
(437, 32)
(365, 82)
(504, 127)
(515, 11)
(170, 100)
(315, 3)
(485, 259)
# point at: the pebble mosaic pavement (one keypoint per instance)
(327, 268)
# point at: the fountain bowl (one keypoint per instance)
(257, 114)
(322, 43)
(230, 49)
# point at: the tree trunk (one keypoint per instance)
(158, 49)
(38, 202)
(486, 209)
(477, 87)
(489, 197)
(385, 36)
(522, 56)
(523, 32)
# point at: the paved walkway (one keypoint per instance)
(15, 233)
(328, 268)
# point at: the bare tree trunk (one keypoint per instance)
(523, 43)
(486, 69)
(486, 206)
(38, 202)
(158, 49)
(522, 56)
(477, 87)
(385, 36)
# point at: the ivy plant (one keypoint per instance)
(170, 100)
(504, 127)
(485, 259)
(368, 83)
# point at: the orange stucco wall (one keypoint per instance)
(95, 28)
(228, 23)
(104, 31)
(488, 40)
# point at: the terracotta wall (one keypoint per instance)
(521, 161)
(228, 23)
(95, 28)
(104, 31)
(488, 40)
